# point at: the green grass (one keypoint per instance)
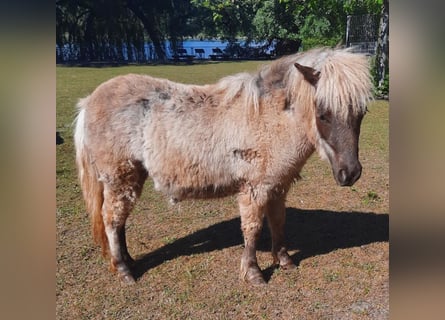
(337, 264)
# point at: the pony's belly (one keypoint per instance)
(177, 193)
(209, 192)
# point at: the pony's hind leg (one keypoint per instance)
(120, 194)
(276, 217)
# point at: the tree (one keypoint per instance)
(230, 19)
(324, 23)
(311, 22)
(279, 21)
(96, 30)
(149, 13)
(382, 56)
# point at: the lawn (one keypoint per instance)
(188, 254)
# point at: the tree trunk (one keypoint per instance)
(382, 67)
(150, 27)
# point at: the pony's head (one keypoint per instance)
(342, 90)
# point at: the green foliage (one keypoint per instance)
(266, 26)
(317, 31)
(362, 6)
(315, 26)
(324, 21)
(230, 19)
(315, 42)
(383, 89)
(276, 20)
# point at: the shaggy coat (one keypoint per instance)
(248, 134)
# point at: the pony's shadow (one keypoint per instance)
(312, 232)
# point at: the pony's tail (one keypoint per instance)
(92, 187)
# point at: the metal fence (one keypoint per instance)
(362, 33)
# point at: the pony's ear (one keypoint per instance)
(310, 74)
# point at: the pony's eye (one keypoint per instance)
(324, 118)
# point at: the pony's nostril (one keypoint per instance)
(347, 177)
(342, 176)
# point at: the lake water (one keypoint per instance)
(192, 44)
(149, 52)
(206, 45)
(189, 46)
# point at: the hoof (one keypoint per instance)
(288, 266)
(284, 261)
(123, 271)
(254, 277)
(127, 279)
(257, 281)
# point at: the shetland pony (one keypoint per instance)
(248, 134)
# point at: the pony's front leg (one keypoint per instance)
(276, 217)
(251, 224)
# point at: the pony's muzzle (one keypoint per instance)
(347, 176)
